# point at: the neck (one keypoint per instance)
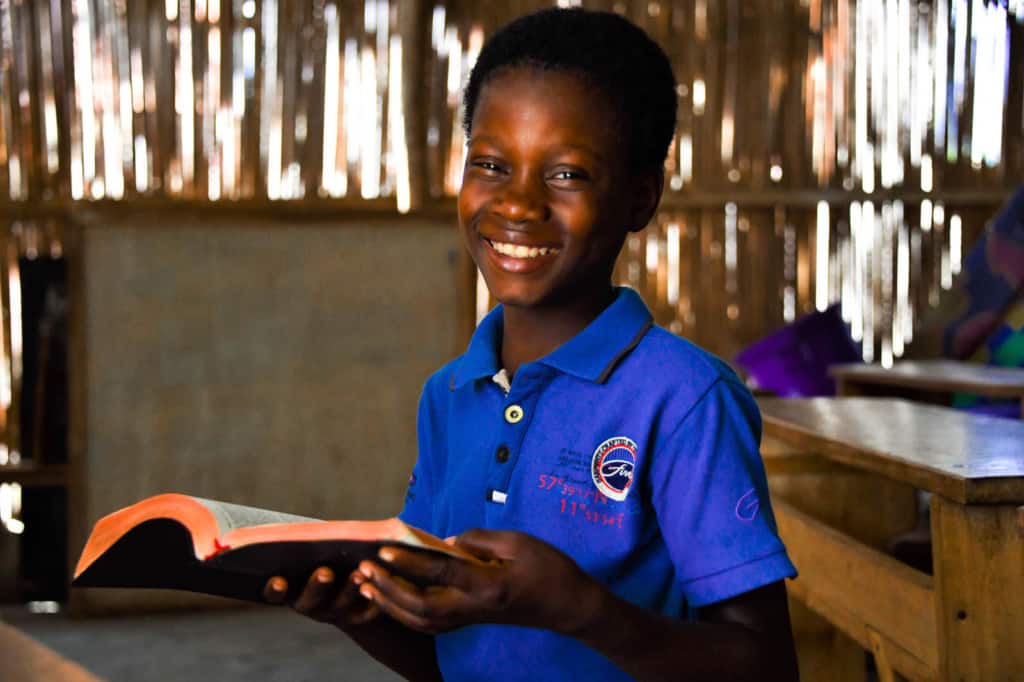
(533, 332)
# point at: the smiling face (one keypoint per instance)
(546, 198)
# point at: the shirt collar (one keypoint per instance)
(592, 354)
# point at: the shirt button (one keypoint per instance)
(502, 454)
(513, 414)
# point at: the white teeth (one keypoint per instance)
(521, 251)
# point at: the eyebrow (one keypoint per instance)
(490, 139)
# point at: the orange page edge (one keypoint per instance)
(189, 512)
(392, 530)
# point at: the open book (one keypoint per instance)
(180, 542)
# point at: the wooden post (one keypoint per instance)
(823, 651)
(413, 15)
(74, 250)
(979, 561)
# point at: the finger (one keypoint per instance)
(318, 593)
(352, 607)
(349, 595)
(276, 590)
(371, 612)
(426, 568)
(431, 623)
(362, 611)
(430, 602)
(396, 589)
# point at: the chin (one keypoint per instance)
(517, 299)
(515, 294)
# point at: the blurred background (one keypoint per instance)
(227, 255)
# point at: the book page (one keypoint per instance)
(230, 516)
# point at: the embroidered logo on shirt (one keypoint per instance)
(612, 467)
(748, 506)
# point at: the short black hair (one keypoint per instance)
(607, 49)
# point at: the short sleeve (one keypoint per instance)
(419, 495)
(710, 495)
(416, 511)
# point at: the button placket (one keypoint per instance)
(511, 435)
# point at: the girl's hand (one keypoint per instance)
(523, 581)
(410, 654)
(322, 599)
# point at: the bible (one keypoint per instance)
(175, 541)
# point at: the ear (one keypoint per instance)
(646, 197)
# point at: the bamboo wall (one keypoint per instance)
(827, 150)
(783, 103)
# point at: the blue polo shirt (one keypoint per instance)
(628, 448)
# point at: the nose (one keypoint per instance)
(522, 200)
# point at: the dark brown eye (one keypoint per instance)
(487, 166)
(568, 178)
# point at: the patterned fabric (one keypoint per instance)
(991, 330)
(992, 279)
(1003, 348)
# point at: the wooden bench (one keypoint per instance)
(23, 659)
(932, 380)
(965, 621)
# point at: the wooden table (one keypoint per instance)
(930, 378)
(963, 623)
(23, 659)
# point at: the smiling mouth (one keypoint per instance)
(520, 250)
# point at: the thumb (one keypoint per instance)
(488, 545)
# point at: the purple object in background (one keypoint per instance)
(1005, 409)
(794, 361)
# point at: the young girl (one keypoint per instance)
(606, 470)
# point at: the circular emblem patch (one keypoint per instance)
(612, 467)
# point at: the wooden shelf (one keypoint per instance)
(34, 475)
(298, 211)
(809, 198)
(286, 212)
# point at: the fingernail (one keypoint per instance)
(358, 578)
(324, 576)
(386, 553)
(278, 584)
(365, 569)
(366, 591)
